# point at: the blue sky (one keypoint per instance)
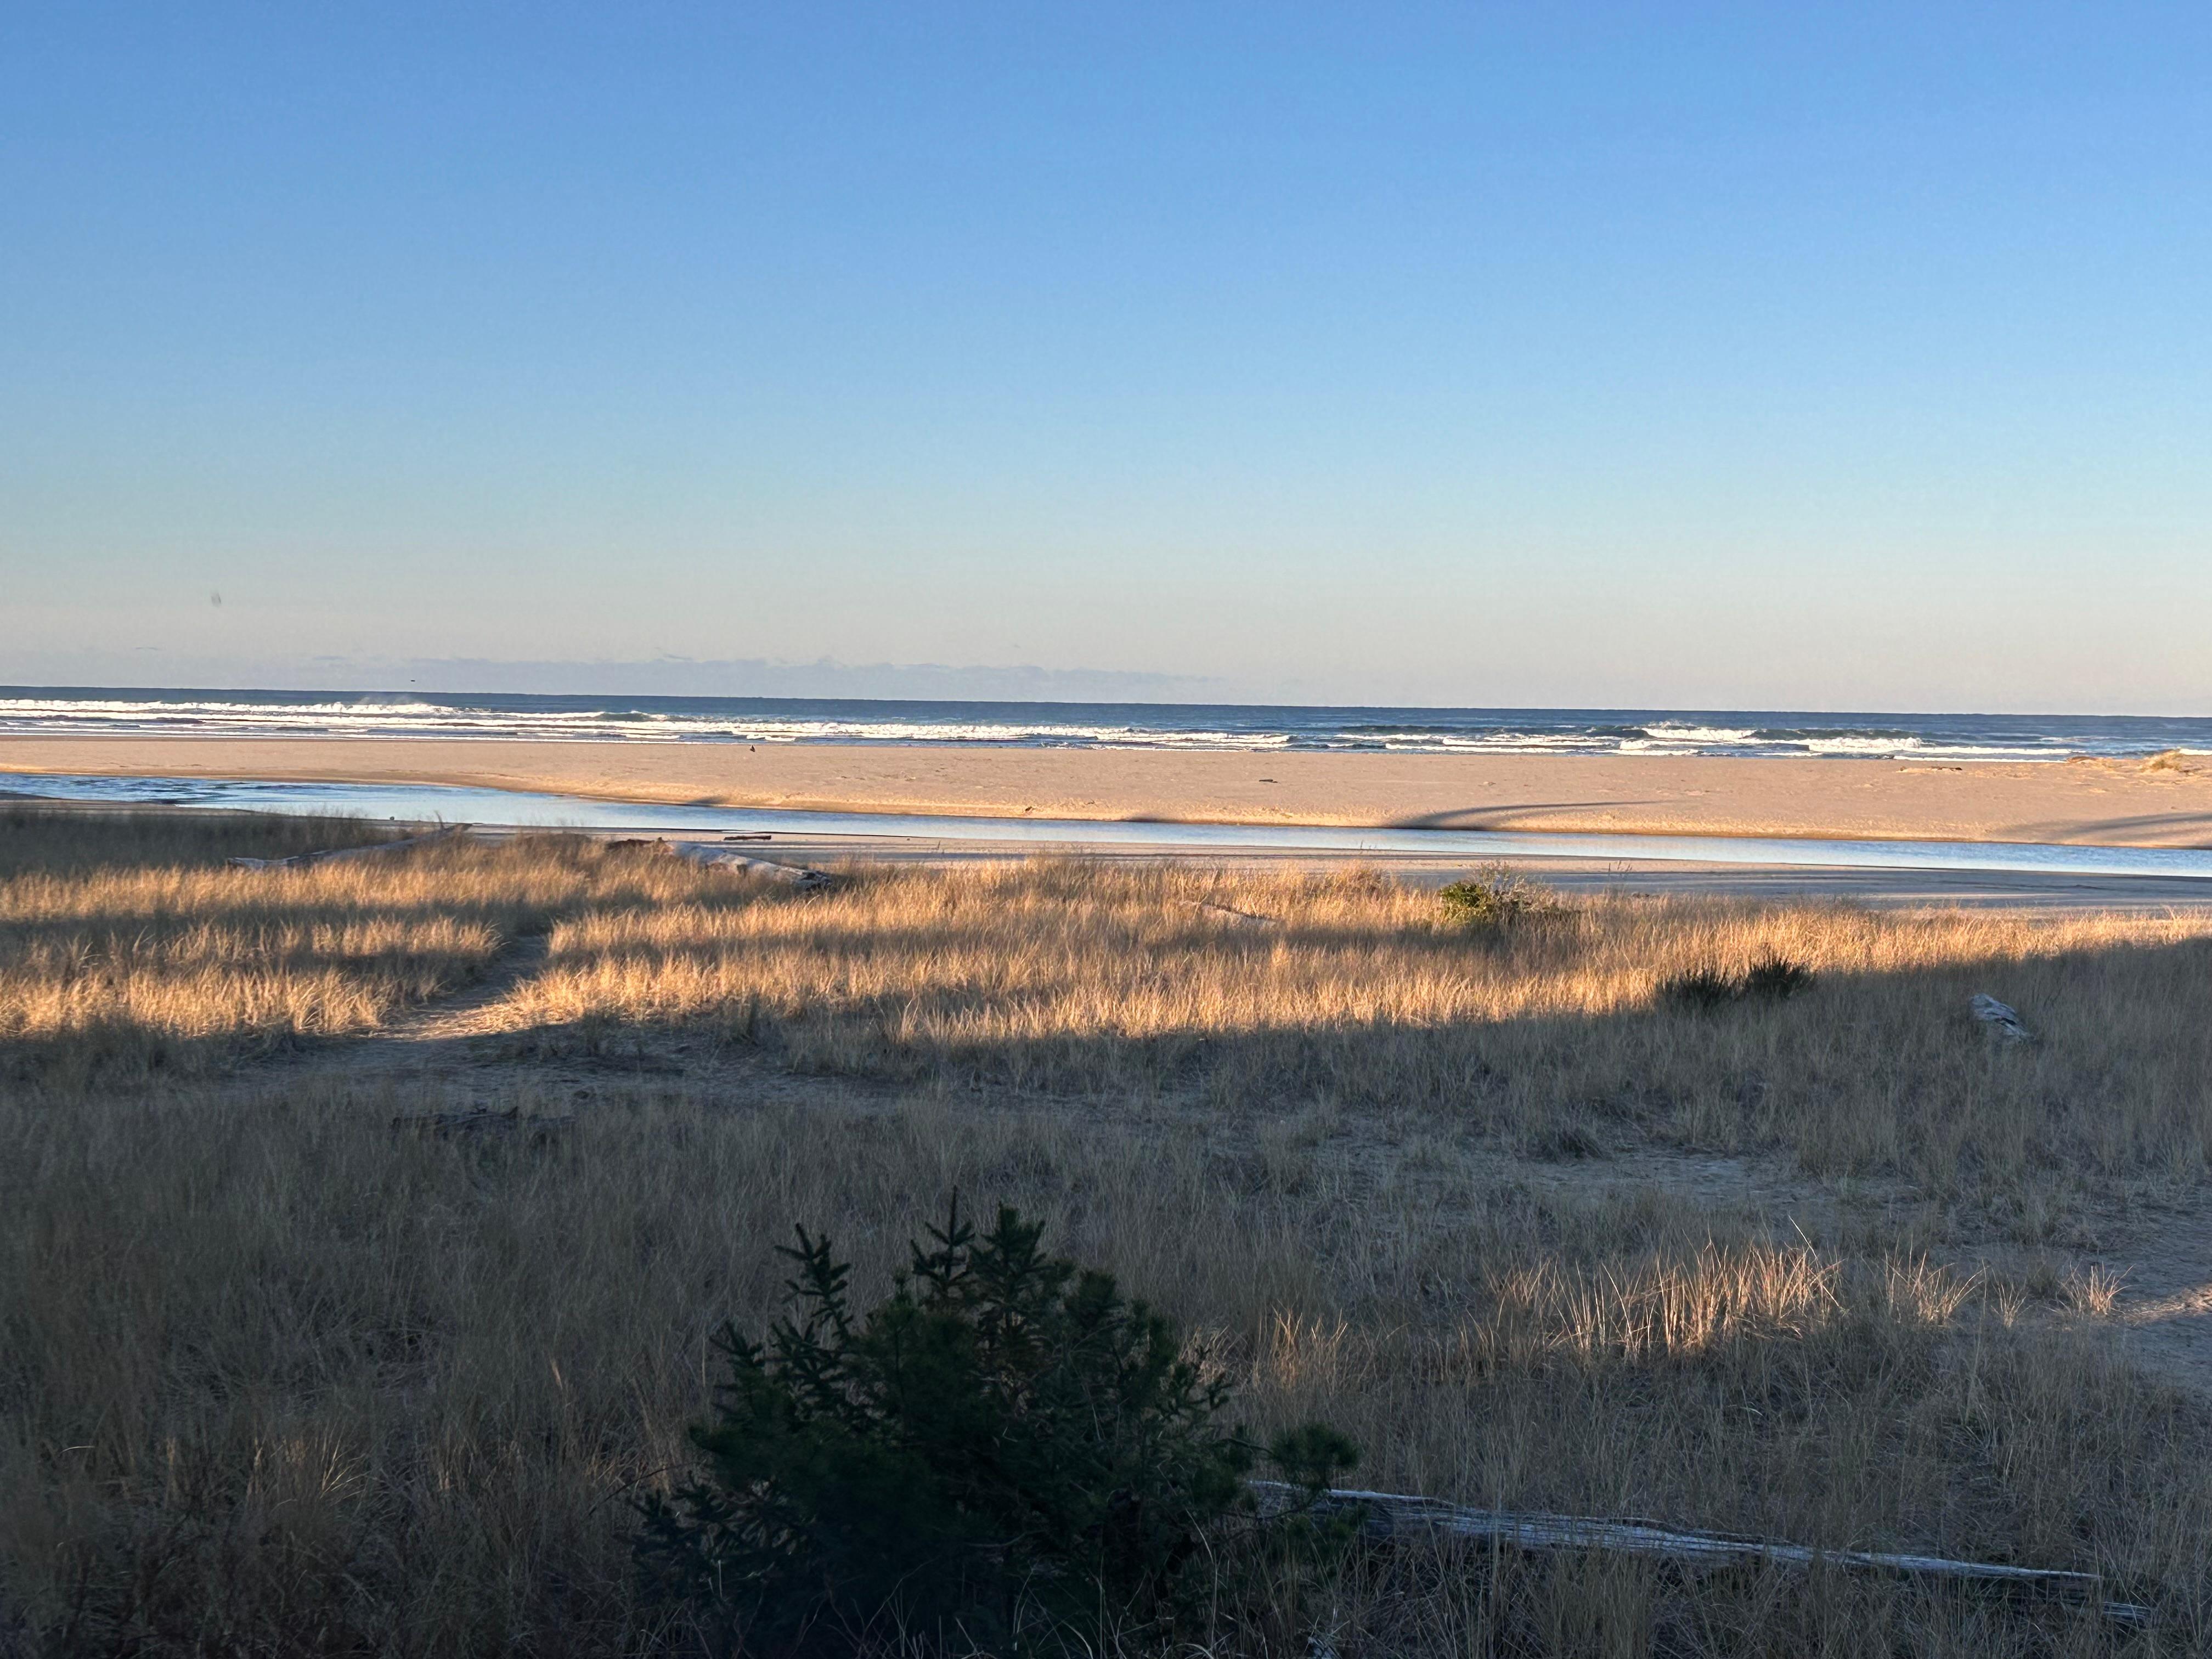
(1773, 356)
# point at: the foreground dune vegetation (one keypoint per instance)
(287, 1365)
(1251, 993)
(1238, 993)
(120, 958)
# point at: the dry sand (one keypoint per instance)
(2106, 802)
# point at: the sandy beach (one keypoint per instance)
(2120, 803)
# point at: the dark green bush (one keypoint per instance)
(1005, 1455)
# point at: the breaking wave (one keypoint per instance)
(1946, 738)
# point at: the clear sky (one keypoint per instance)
(1777, 356)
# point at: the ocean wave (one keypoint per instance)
(1196, 727)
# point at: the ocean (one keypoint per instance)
(103, 711)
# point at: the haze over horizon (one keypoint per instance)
(1843, 358)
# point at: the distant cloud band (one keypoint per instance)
(657, 677)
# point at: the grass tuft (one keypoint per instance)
(1773, 978)
(1776, 978)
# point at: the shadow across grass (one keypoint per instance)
(1849, 1070)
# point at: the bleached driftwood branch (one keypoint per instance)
(301, 860)
(1234, 918)
(2000, 1018)
(721, 858)
(1388, 1515)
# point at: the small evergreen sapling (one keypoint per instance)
(1006, 1453)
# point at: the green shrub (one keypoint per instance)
(1495, 898)
(1004, 1454)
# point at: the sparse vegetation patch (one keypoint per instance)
(1496, 897)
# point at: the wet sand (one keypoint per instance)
(2096, 802)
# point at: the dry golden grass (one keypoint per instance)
(42, 838)
(276, 1377)
(112, 967)
(1071, 979)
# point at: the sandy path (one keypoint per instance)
(2165, 1303)
(471, 1011)
(426, 1036)
(2114, 803)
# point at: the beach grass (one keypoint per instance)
(123, 956)
(284, 1368)
(1068, 979)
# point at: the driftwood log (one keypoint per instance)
(721, 858)
(1387, 1516)
(2001, 1018)
(1234, 918)
(301, 860)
